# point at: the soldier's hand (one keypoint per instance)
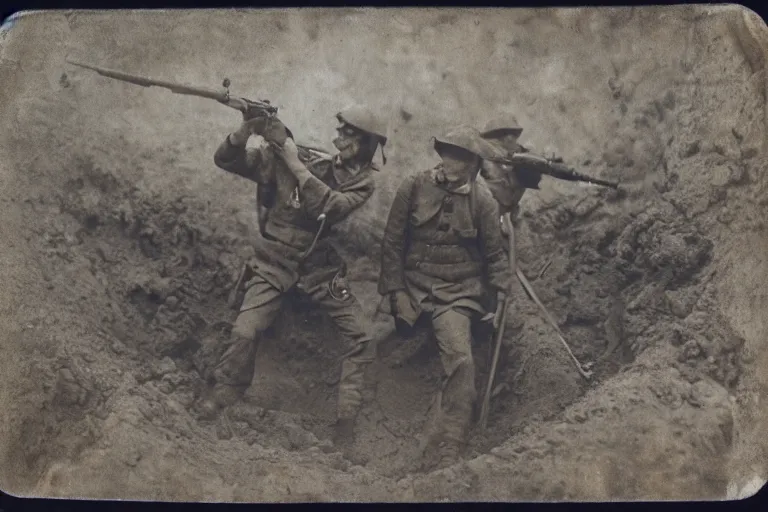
(289, 152)
(496, 316)
(393, 303)
(514, 218)
(397, 301)
(275, 132)
(504, 230)
(254, 126)
(502, 301)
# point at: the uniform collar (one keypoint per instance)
(343, 173)
(462, 190)
(351, 170)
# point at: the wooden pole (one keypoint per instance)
(485, 409)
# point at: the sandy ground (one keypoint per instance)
(122, 241)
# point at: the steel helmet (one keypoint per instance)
(503, 123)
(363, 119)
(469, 139)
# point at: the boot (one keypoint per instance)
(344, 432)
(222, 395)
(438, 456)
(449, 453)
(206, 409)
(344, 438)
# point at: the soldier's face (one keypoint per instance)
(348, 142)
(458, 168)
(508, 141)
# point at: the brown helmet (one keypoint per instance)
(505, 123)
(469, 139)
(363, 119)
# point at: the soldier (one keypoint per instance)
(507, 184)
(285, 260)
(442, 253)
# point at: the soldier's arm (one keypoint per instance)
(392, 276)
(492, 242)
(336, 204)
(255, 164)
(503, 186)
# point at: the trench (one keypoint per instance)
(152, 278)
(165, 271)
(147, 280)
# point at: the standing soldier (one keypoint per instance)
(442, 254)
(293, 253)
(507, 184)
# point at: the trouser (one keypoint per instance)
(452, 329)
(262, 303)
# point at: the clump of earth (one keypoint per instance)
(123, 241)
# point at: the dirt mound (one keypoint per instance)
(125, 242)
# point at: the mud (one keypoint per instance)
(124, 241)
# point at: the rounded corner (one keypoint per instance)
(15, 16)
(749, 490)
(748, 11)
(7, 491)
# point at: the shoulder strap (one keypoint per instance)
(415, 183)
(476, 219)
(473, 205)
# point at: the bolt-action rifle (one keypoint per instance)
(249, 108)
(554, 167)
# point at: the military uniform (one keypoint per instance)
(444, 248)
(507, 184)
(279, 266)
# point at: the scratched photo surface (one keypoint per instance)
(165, 339)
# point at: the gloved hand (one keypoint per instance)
(399, 302)
(247, 128)
(514, 212)
(496, 316)
(271, 128)
(288, 151)
(275, 132)
(403, 312)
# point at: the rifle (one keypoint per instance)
(553, 167)
(249, 108)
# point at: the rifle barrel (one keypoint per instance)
(150, 82)
(559, 171)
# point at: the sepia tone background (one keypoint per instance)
(121, 240)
